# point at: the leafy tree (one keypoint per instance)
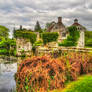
(7, 47)
(38, 27)
(48, 25)
(4, 32)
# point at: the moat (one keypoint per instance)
(7, 71)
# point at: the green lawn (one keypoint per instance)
(88, 46)
(83, 84)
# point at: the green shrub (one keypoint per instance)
(8, 47)
(38, 43)
(88, 38)
(49, 37)
(88, 42)
(3, 51)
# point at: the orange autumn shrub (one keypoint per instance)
(40, 72)
(77, 64)
(45, 73)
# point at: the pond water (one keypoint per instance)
(7, 82)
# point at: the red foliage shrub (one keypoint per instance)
(46, 73)
(40, 72)
(77, 64)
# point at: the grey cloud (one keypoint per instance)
(27, 12)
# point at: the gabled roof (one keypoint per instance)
(59, 24)
(51, 26)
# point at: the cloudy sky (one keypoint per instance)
(27, 12)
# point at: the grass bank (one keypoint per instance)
(83, 84)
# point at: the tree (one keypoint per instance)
(48, 25)
(7, 47)
(38, 27)
(4, 32)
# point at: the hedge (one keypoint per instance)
(29, 35)
(49, 37)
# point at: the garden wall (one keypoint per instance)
(44, 50)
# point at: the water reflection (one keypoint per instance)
(7, 82)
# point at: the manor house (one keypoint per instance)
(63, 31)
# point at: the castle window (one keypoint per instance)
(63, 34)
(56, 27)
(80, 28)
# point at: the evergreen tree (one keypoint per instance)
(37, 27)
(14, 31)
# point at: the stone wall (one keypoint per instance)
(44, 50)
(23, 45)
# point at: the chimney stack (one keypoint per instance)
(59, 19)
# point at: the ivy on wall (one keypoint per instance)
(49, 37)
(28, 35)
(72, 39)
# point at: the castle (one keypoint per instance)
(23, 44)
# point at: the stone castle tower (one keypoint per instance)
(82, 29)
